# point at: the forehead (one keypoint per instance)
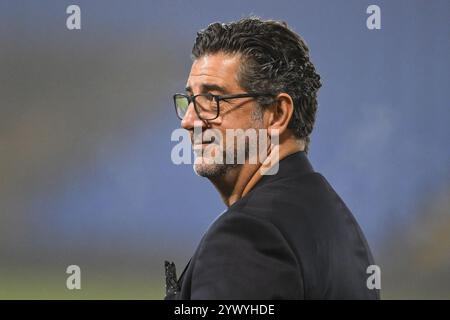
(214, 69)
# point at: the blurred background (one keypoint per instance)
(86, 117)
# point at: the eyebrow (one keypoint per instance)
(206, 87)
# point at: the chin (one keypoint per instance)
(209, 170)
(212, 170)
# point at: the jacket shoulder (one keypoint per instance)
(329, 245)
(245, 257)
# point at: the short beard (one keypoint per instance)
(215, 170)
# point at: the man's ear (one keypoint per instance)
(280, 114)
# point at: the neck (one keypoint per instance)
(238, 181)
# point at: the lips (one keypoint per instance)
(205, 145)
(202, 144)
(195, 141)
(198, 146)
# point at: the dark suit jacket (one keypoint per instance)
(290, 237)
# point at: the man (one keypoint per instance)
(286, 235)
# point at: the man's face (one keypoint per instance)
(217, 74)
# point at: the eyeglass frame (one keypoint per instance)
(217, 98)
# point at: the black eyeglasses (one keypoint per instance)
(207, 105)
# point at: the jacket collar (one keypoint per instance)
(296, 164)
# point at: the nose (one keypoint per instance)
(191, 119)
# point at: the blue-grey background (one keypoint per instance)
(86, 117)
